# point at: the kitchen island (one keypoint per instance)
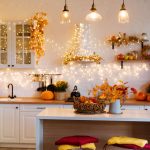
(52, 124)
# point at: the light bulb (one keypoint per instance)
(65, 17)
(123, 16)
(93, 16)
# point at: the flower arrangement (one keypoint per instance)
(122, 39)
(111, 93)
(61, 86)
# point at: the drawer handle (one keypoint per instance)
(41, 108)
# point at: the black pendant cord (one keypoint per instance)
(123, 7)
(93, 2)
(93, 6)
(66, 7)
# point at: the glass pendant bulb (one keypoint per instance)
(93, 15)
(65, 15)
(123, 16)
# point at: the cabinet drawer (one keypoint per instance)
(147, 107)
(37, 107)
(68, 106)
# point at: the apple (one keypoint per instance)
(141, 96)
(120, 57)
(126, 57)
(93, 99)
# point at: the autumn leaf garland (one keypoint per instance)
(37, 40)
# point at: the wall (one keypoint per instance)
(57, 35)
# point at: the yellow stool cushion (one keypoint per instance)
(71, 147)
(127, 140)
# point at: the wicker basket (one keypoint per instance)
(89, 108)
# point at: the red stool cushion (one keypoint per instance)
(76, 140)
(134, 147)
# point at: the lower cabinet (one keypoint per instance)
(27, 127)
(9, 123)
(28, 115)
(18, 122)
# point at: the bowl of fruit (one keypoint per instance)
(89, 105)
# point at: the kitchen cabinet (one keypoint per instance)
(5, 45)
(9, 123)
(28, 115)
(68, 106)
(147, 107)
(27, 127)
(15, 49)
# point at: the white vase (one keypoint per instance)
(60, 96)
(115, 108)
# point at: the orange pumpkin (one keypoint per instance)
(148, 97)
(47, 95)
(141, 96)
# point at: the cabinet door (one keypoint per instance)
(9, 123)
(23, 56)
(28, 115)
(27, 127)
(5, 45)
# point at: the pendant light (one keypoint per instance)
(123, 16)
(65, 15)
(93, 15)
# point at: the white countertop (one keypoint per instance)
(69, 114)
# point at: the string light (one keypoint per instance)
(80, 48)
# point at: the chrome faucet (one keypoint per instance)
(12, 96)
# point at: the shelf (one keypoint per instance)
(138, 60)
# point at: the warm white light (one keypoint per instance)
(123, 16)
(93, 16)
(65, 17)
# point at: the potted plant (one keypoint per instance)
(60, 90)
(112, 94)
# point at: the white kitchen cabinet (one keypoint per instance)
(5, 45)
(23, 56)
(27, 126)
(68, 106)
(147, 107)
(9, 123)
(28, 115)
(15, 50)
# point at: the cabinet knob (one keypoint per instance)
(17, 107)
(12, 65)
(41, 108)
(8, 65)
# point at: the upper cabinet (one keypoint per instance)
(15, 50)
(5, 45)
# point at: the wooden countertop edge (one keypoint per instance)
(58, 102)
